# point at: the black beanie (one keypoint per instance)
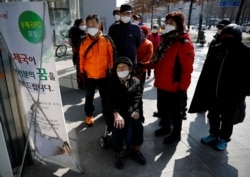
(125, 60)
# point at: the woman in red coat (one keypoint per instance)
(173, 65)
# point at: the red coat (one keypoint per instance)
(164, 68)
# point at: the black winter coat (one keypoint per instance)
(224, 80)
(122, 99)
(75, 36)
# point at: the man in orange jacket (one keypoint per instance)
(96, 61)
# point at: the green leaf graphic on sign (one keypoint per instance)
(31, 26)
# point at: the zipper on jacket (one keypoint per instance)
(218, 79)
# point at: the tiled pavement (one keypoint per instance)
(188, 158)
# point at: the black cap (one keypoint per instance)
(139, 16)
(124, 60)
(234, 30)
(223, 23)
(126, 8)
(155, 26)
(117, 9)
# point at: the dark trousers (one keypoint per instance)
(142, 77)
(75, 58)
(79, 77)
(169, 105)
(131, 135)
(220, 125)
(90, 87)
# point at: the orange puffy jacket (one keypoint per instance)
(98, 59)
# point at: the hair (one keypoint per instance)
(78, 21)
(93, 16)
(115, 11)
(179, 19)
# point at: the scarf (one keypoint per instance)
(126, 81)
(167, 40)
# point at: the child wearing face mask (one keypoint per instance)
(124, 97)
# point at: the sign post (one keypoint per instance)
(25, 29)
(229, 3)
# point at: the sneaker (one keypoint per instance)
(89, 120)
(221, 145)
(162, 131)
(138, 156)
(119, 160)
(209, 139)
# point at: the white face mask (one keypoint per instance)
(125, 19)
(82, 27)
(92, 31)
(136, 22)
(154, 30)
(117, 17)
(169, 28)
(123, 74)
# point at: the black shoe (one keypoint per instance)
(162, 131)
(172, 139)
(119, 160)
(156, 114)
(138, 156)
